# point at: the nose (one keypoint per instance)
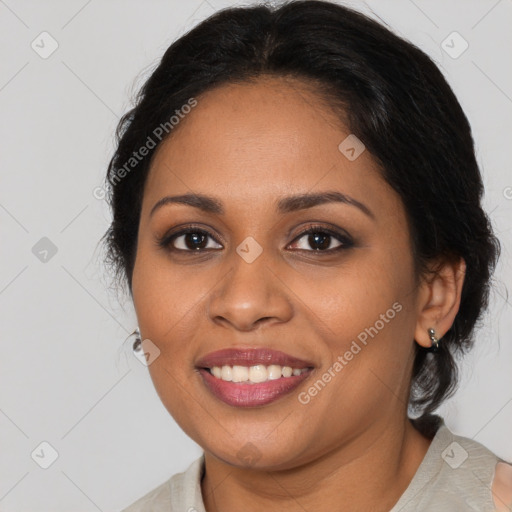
(249, 295)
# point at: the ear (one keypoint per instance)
(439, 299)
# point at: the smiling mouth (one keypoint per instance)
(252, 386)
(255, 374)
(251, 377)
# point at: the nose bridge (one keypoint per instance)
(249, 292)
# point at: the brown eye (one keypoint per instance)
(190, 240)
(319, 239)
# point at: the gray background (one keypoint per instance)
(67, 375)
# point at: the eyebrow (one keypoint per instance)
(285, 205)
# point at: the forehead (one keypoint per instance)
(261, 139)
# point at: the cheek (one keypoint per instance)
(353, 297)
(168, 303)
(168, 300)
(367, 317)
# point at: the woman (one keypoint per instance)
(296, 212)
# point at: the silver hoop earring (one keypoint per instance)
(434, 340)
(137, 342)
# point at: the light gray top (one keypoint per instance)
(456, 474)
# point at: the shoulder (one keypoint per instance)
(502, 487)
(157, 500)
(461, 473)
(479, 465)
(177, 493)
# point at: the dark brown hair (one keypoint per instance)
(397, 103)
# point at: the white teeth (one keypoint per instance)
(258, 373)
(274, 372)
(240, 373)
(286, 371)
(226, 373)
(254, 374)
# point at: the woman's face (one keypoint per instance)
(341, 300)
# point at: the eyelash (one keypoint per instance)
(166, 241)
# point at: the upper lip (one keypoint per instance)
(250, 357)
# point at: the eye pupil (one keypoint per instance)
(195, 241)
(319, 241)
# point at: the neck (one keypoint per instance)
(374, 468)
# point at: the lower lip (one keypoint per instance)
(240, 394)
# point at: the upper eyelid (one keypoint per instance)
(338, 233)
(183, 230)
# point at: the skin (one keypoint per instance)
(502, 487)
(249, 145)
